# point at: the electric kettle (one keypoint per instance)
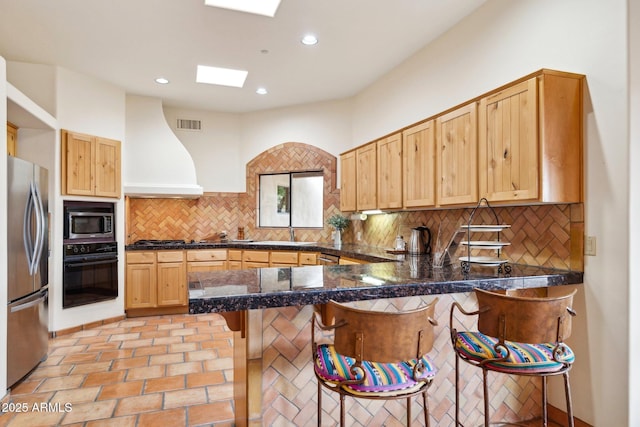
(418, 245)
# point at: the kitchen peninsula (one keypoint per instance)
(269, 310)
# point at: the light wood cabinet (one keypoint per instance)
(155, 279)
(530, 141)
(350, 261)
(206, 260)
(418, 162)
(348, 181)
(235, 259)
(389, 172)
(255, 259)
(283, 259)
(456, 156)
(141, 280)
(172, 279)
(308, 258)
(12, 139)
(366, 177)
(91, 166)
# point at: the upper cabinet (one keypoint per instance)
(12, 138)
(366, 177)
(418, 163)
(518, 144)
(530, 141)
(508, 143)
(389, 172)
(456, 156)
(90, 165)
(348, 181)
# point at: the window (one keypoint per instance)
(292, 199)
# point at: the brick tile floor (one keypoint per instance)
(154, 371)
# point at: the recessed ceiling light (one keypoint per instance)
(162, 81)
(221, 76)
(309, 40)
(258, 7)
(261, 91)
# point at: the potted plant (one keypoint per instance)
(339, 223)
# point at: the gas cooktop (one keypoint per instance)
(158, 242)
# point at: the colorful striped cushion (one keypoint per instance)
(523, 358)
(381, 378)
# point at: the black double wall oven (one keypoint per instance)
(90, 257)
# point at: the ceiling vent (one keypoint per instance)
(187, 124)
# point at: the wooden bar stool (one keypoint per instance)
(518, 336)
(374, 354)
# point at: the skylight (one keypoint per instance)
(258, 7)
(221, 76)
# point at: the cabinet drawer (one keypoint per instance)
(235, 255)
(307, 258)
(284, 258)
(141, 257)
(207, 255)
(255, 256)
(170, 256)
(201, 266)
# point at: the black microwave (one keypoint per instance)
(89, 222)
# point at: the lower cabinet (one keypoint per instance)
(350, 261)
(234, 259)
(206, 260)
(155, 279)
(172, 279)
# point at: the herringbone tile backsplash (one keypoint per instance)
(546, 235)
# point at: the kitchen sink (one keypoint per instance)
(283, 243)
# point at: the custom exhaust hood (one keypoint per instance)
(156, 163)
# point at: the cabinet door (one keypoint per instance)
(389, 172)
(172, 289)
(141, 286)
(348, 182)
(456, 157)
(78, 165)
(418, 161)
(508, 144)
(107, 169)
(12, 138)
(366, 181)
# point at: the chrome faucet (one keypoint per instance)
(292, 235)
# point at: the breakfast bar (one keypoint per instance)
(269, 310)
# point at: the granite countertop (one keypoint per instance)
(387, 276)
(391, 276)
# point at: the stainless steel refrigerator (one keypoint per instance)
(28, 267)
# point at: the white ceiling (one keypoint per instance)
(131, 42)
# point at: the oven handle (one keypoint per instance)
(90, 263)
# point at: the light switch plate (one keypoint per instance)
(590, 245)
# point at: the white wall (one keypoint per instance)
(91, 106)
(504, 40)
(634, 210)
(3, 226)
(229, 141)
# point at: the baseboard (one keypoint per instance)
(559, 416)
(161, 311)
(90, 325)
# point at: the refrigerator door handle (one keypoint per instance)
(27, 236)
(29, 304)
(40, 227)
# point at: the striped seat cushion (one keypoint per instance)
(381, 378)
(523, 358)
